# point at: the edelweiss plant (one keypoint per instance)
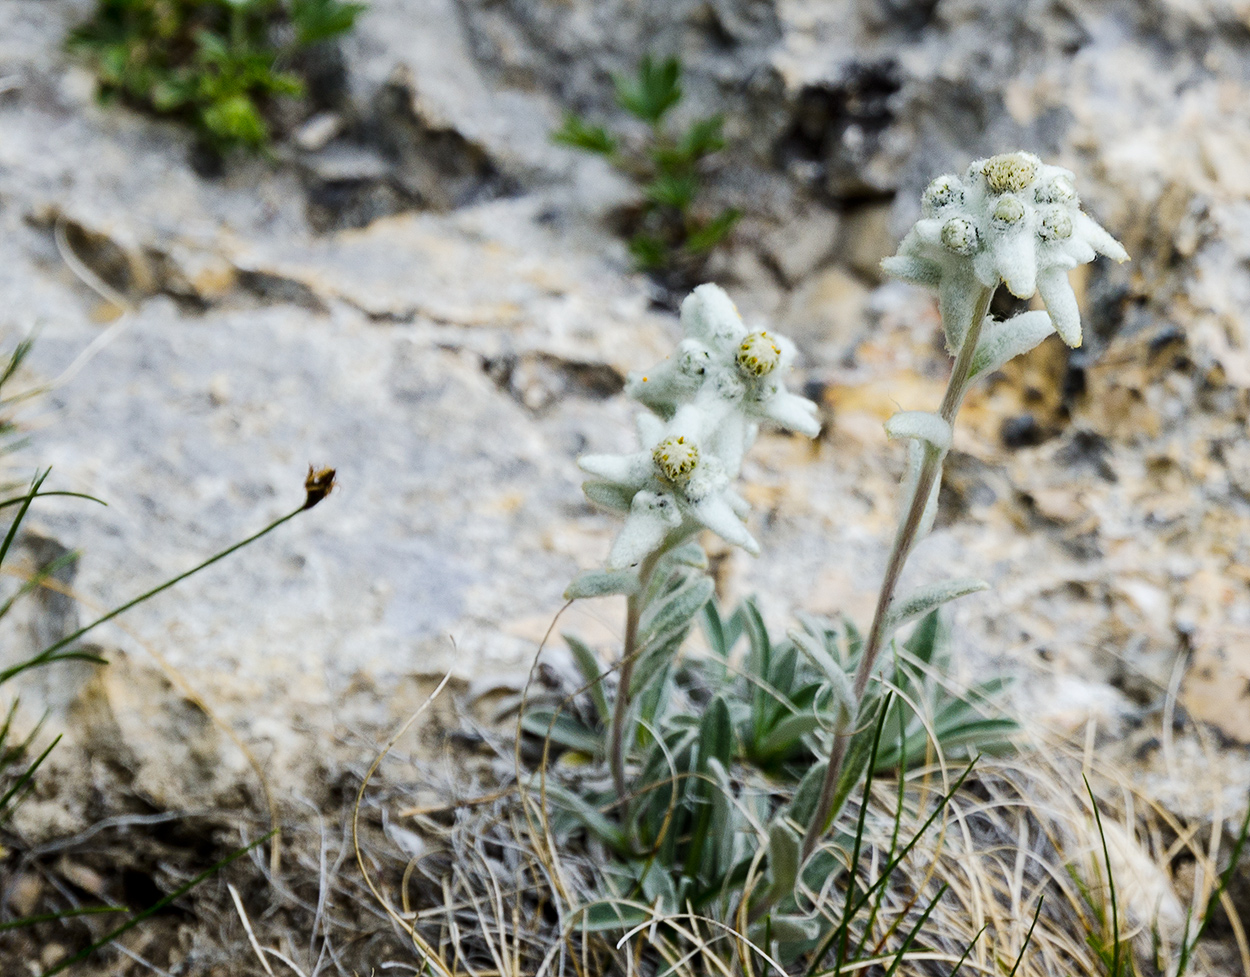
(726, 777)
(1011, 219)
(707, 401)
(717, 813)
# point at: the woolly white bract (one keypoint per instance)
(708, 400)
(1011, 218)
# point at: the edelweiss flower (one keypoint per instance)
(1012, 218)
(708, 399)
(724, 379)
(670, 491)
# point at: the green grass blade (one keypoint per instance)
(24, 779)
(37, 579)
(44, 495)
(15, 360)
(15, 924)
(26, 500)
(960, 963)
(1106, 854)
(1029, 935)
(915, 931)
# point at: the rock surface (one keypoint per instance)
(440, 311)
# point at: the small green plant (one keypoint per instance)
(668, 231)
(216, 64)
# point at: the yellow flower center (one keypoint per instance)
(758, 355)
(676, 457)
(1010, 172)
(959, 235)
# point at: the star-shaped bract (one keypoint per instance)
(1012, 218)
(670, 491)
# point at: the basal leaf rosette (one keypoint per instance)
(1012, 218)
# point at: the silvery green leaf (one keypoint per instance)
(586, 813)
(601, 583)
(690, 554)
(722, 811)
(807, 793)
(716, 735)
(609, 495)
(562, 730)
(677, 609)
(914, 270)
(915, 461)
(714, 629)
(788, 733)
(606, 916)
(929, 598)
(784, 928)
(1002, 341)
(783, 858)
(816, 652)
(921, 425)
(592, 674)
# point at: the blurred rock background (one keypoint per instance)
(425, 292)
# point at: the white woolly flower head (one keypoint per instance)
(1011, 218)
(724, 379)
(707, 401)
(670, 490)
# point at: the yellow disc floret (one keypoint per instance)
(960, 236)
(758, 354)
(1055, 225)
(1010, 172)
(676, 457)
(1008, 212)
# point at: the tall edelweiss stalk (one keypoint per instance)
(1014, 220)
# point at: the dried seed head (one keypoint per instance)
(960, 236)
(676, 457)
(1009, 172)
(1055, 224)
(1058, 191)
(943, 192)
(1008, 212)
(317, 485)
(758, 355)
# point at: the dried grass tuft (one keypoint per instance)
(1009, 879)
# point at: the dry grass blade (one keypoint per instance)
(247, 928)
(432, 959)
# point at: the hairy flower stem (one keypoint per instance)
(633, 610)
(904, 540)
